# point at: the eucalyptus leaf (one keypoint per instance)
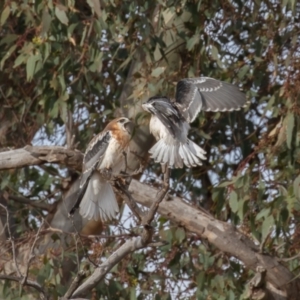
(60, 12)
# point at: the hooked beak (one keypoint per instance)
(146, 107)
(127, 121)
(129, 126)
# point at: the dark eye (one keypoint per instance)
(122, 121)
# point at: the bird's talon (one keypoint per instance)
(106, 173)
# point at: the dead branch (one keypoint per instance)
(11, 239)
(161, 195)
(99, 273)
(70, 137)
(31, 255)
(29, 156)
(36, 204)
(222, 235)
(129, 247)
(30, 283)
(129, 200)
(23, 280)
(74, 285)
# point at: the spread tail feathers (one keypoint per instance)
(175, 155)
(99, 200)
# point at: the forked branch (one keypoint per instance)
(129, 247)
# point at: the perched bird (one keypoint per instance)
(170, 118)
(104, 157)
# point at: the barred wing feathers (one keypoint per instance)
(208, 94)
(94, 155)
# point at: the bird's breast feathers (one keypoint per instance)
(157, 128)
(114, 156)
(160, 131)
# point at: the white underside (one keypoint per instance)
(99, 200)
(114, 158)
(171, 151)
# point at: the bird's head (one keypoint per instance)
(149, 106)
(125, 125)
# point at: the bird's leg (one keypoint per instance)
(142, 162)
(106, 173)
(125, 159)
(167, 177)
(147, 219)
(124, 173)
(166, 171)
(164, 168)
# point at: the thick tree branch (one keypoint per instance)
(99, 273)
(222, 235)
(37, 155)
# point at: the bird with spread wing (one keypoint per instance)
(170, 118)
(105, 155)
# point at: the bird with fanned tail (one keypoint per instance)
(170, 118)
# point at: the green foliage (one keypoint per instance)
(74, 56)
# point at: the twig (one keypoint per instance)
(290, 258)
(90, 236)
(32, 203)
(129, 200)
(100, 272)
(263, 242)
(77, 252)
(23, 280)
(125, 160)
(9, 105)
(12, 241)
(31, 255)
(81, 241)
(30, 283)
(75, 283)
(130, 246)
(70, 136)
(158, 244)
(161, 195)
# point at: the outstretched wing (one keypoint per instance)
(167, 113)
(208, 94)
(93, 155)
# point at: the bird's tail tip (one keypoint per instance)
(177, 155)
(99, 201)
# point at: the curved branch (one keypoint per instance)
(30, 283)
